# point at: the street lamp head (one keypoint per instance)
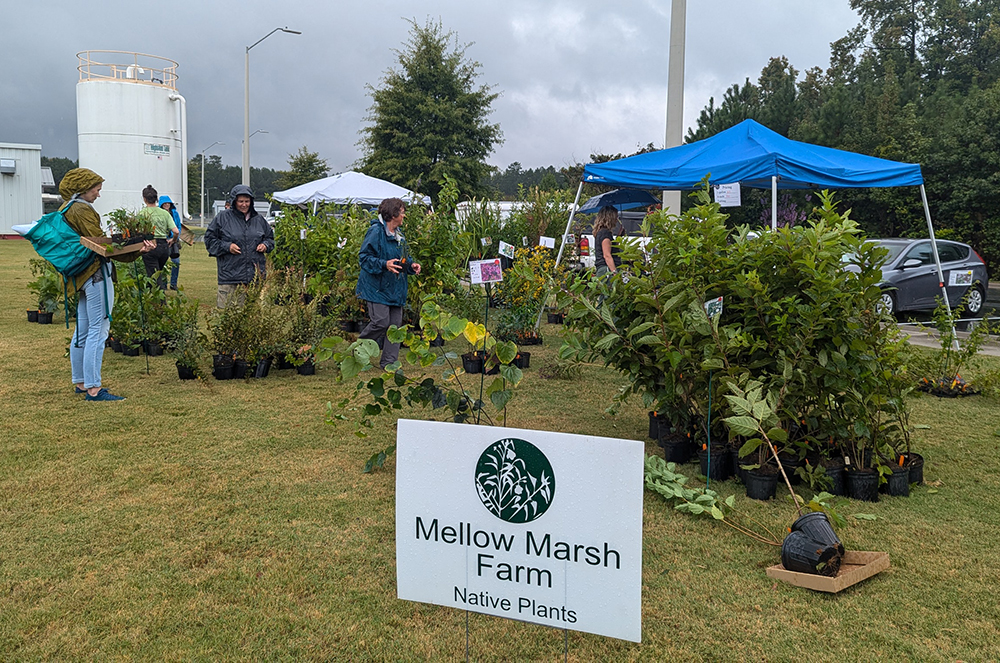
(291, 32)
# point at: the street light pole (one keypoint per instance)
(675, 93)
(246, 101)
(202, 190)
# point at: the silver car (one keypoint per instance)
(910, 278)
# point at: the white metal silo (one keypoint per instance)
(132, 127)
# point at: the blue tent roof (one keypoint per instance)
(751, 154)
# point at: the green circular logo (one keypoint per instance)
(515, 480)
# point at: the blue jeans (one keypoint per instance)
(86, 349)
(175, 268)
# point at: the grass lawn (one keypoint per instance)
(226, 520)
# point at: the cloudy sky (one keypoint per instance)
(574, 77)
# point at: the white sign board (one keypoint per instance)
(547, 242)
(531, 525)
(956, 277)
(727, 195)
(485, 271)
(506, 249)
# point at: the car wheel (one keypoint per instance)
(887, 303)
(974, 300)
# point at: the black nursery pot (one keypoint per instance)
(307, 368)
(721, 465)
(654, 429)
(222, 367)
(185, 373)
(44, 318)
(522, 360)
(898, 484)
(835, 470)
(281, 362)
(153, 348)
(816, 525)
(33, 316)
(760, 485)
(263, 368)
(437, 342)
(472, 363)
(915, 462)
(862, 485)
(802, 554)
(239, 369)
(116, 345)
(130, 351)
(677, 447)
(555, 318)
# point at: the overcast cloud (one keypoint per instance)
(574, 77)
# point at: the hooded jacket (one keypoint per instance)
(173, 210)
(376, 283)
(231, 227)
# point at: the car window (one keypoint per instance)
(894, 249)
(921, 252)
(951, 252)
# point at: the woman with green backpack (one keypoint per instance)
(80, 187)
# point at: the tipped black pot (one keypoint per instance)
(33, 315)
(185, 373)
(862, 485)
(720, 468)
(898, 484)
(263, 368)
(802, 554)
(761, 485)
(915, 462)
(816, 525)
(308, 367)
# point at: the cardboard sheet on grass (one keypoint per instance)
(857, 566)
(530, 525)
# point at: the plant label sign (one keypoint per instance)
(713, 307)
(547, 242)
(485, 271)
(506, 249)
(956, 277)
(727, 195)
(530, 525)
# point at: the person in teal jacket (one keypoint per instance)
(385, 265)
(175, 245)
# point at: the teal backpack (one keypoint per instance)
(55, 241)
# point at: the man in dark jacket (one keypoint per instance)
(238, 237)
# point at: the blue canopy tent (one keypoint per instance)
(754, 156)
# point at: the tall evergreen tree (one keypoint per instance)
(303, 167)
(429, 118)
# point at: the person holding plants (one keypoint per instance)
(238, 238)
(606, 259)
(382, 282)
(80, 187)
(175, 246)
(163, 231)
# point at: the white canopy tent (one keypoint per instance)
(346, 189)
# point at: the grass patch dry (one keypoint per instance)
(213, 520)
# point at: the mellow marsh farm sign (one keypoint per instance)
(531, 525)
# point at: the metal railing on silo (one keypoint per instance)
(127, 66)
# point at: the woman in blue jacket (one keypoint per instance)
(175, 242)
(382, 283)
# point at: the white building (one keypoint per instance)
(20, 185)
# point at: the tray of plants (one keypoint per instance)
(855, 566)
(104, 246)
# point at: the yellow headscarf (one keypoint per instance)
(78, 180)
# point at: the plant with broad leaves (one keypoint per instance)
(409, 382)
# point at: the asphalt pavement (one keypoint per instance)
(928, 337)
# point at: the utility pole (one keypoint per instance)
(675, 92)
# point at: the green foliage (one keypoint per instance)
(303, 167)
(428, 119)
(409, 382)
(942, 375)
(795, 321)
(126, 222)
(47, 286)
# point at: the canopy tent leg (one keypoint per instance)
(774, 202)
(937, 262)
(562, 246)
